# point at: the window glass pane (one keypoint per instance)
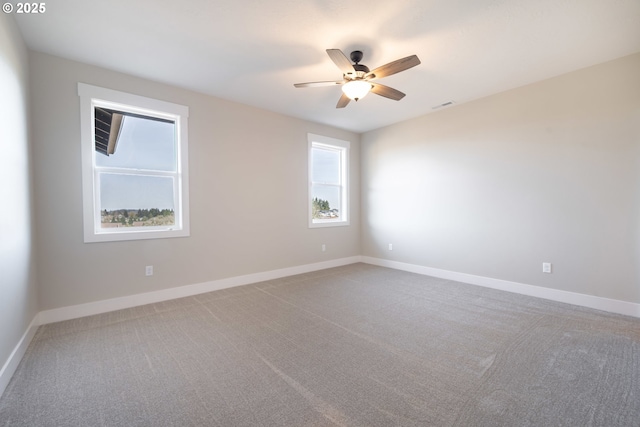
(326, 165)
(325, 202)
(136, 200)
(141, 144)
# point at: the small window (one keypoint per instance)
(134, 163)
(328, 181)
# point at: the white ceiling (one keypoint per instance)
(253, 51)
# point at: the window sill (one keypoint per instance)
(328, 224)
(98, 237)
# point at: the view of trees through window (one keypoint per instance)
(321, 209)
(137, 218)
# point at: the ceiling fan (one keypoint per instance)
(356, 82)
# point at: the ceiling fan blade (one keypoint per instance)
(343, 101)
(386, 91)
(393, 67)
(341, 61)
(319, 84)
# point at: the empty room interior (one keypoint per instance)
(320, 213)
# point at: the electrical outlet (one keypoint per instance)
(390, 247)
(546, 267)
(324, 247)
(148, 270)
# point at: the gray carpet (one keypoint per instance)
(352, 346)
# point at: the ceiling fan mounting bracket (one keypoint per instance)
(356, 56)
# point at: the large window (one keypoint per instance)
(328, 181)
(134, 165)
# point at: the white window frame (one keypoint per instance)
(92, 96)
(320, 141)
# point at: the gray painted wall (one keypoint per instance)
(248, 194)
(544, 173)
(18, 297)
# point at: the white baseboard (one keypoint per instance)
(104, 306)
(16, 355)
(98, 307)
(590, 301)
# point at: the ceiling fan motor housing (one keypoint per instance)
(361, 68)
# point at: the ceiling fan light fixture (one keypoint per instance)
(356, 77)
(356, 89)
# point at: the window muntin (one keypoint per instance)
(328, 189)
(134, 151)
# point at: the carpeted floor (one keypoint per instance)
(351, 346)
